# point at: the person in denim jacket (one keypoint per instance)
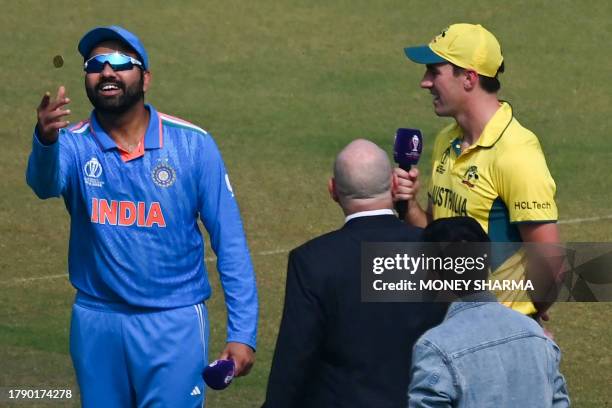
(483, 354)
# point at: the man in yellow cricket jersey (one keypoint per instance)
(486, 165)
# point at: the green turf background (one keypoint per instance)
(283, 86)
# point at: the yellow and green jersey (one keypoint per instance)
(501, 180)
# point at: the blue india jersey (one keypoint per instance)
(134, 237)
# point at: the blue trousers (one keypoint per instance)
(129, 357)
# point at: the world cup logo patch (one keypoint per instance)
(93, 168)
(163, 174)
(441, 168)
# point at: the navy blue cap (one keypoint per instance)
(99, 34)
(423, 55)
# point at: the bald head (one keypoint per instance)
(362, 174)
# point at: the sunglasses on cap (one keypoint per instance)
(116, 60)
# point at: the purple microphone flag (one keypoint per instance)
(408, 147)
(219, 374)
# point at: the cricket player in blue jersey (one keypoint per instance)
(134, 181)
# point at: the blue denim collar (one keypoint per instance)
(472, 300)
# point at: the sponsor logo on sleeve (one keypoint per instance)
(532, 205)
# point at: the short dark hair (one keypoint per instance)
(490, 85)
(458, 237)
(455, 229)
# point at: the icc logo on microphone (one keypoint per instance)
(415, 143)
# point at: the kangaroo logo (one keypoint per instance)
(471, 176)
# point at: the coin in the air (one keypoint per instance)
(58, 61)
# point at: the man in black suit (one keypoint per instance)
(333, 350)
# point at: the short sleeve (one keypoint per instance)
(525, 184)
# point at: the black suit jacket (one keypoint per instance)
(334, 350)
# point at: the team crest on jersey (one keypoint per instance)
(93, 171)
(471, 176)
(163, 174)
(441, 168)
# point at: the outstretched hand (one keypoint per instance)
(51, 115)
(243, 357)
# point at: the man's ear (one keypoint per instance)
(331, 187)
(146, 80)
(471, 79)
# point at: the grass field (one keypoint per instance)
(283, 85)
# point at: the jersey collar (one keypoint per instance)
(493, 130)
(153, 137)
(496, 126)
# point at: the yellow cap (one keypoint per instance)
(469, 46)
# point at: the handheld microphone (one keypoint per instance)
(406, 152)
(219, 374)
